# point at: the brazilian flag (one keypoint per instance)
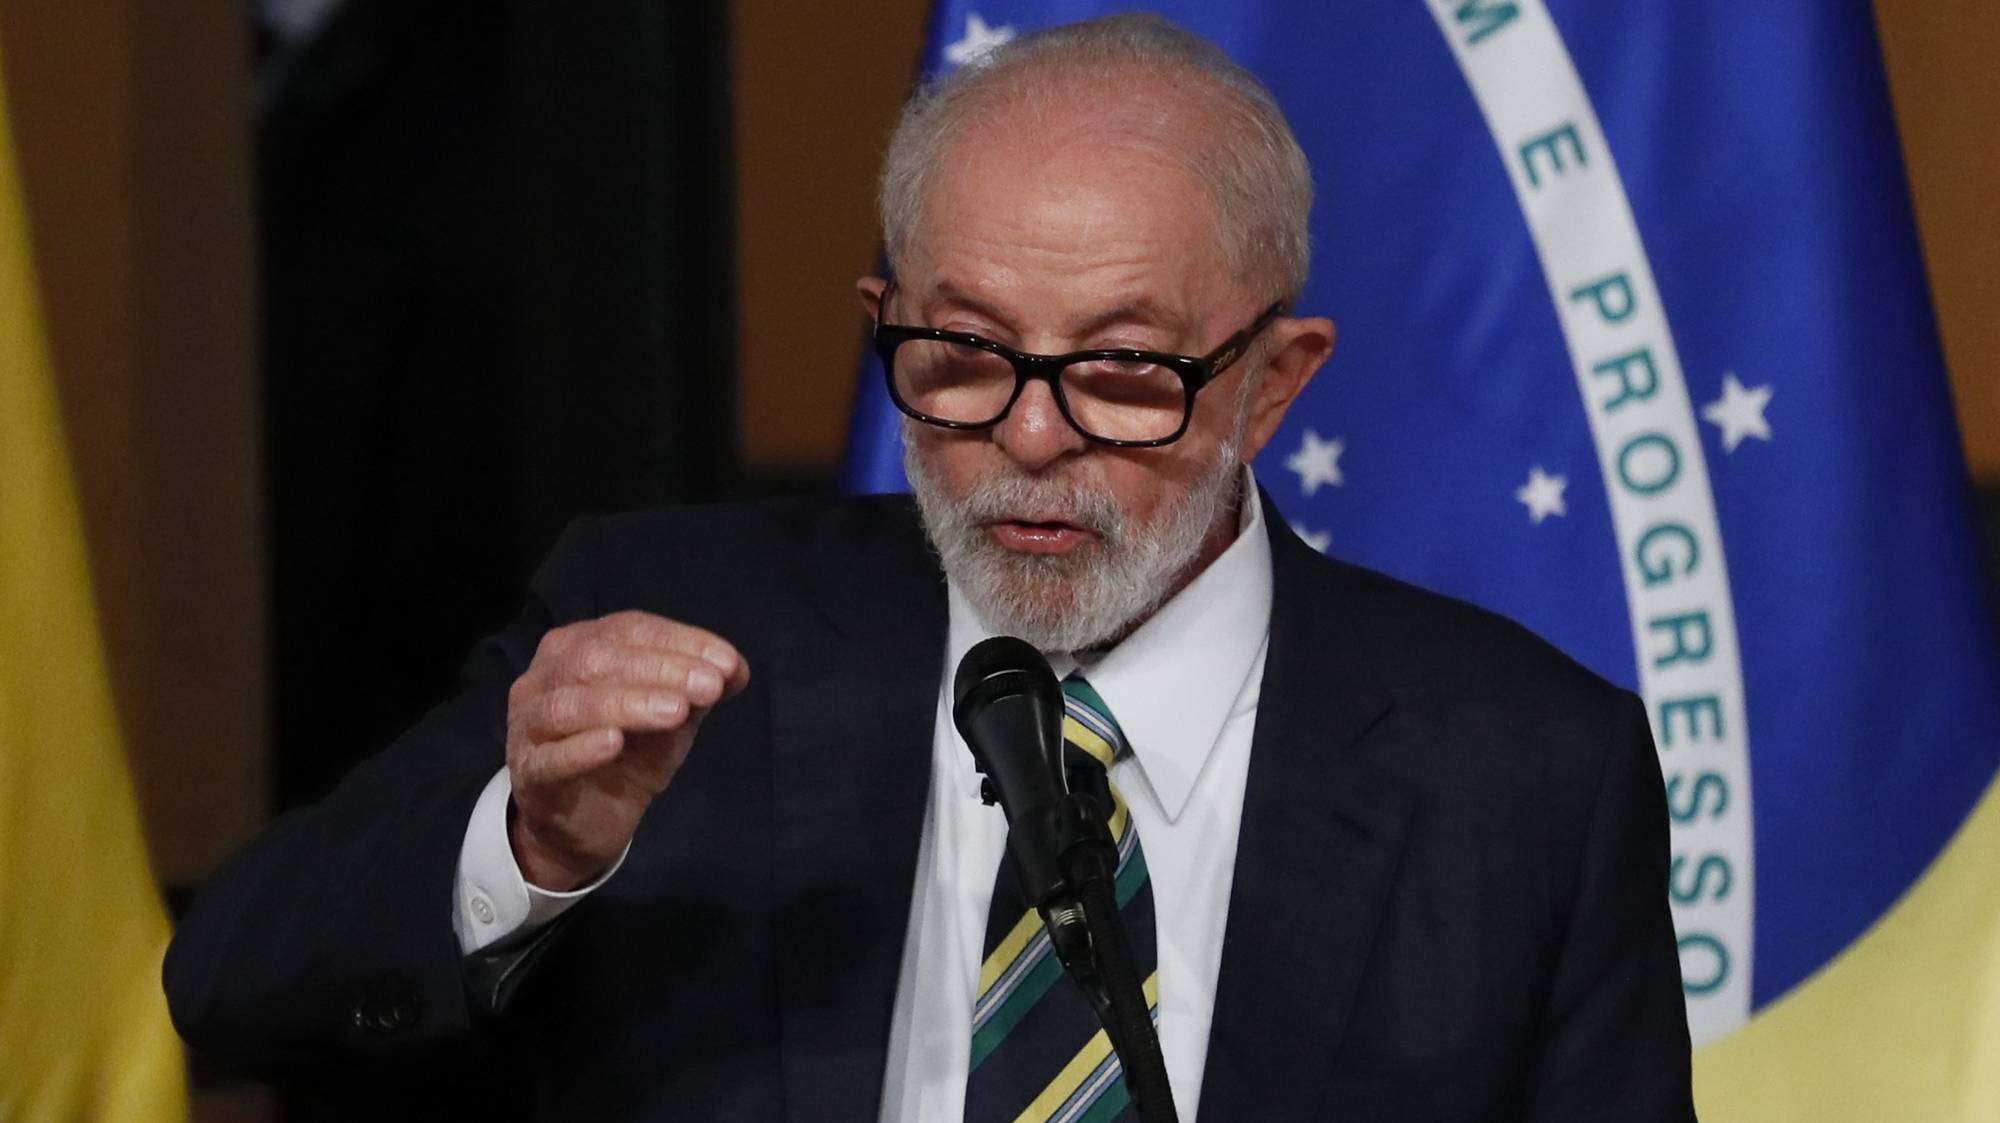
(1636, 348)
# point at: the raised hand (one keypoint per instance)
(596, 727)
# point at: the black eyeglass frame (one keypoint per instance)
(1194, 372)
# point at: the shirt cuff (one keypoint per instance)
(493, 902)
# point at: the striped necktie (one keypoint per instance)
(1038, 1052)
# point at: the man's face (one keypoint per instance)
(1063, 236)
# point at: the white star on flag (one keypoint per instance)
(1543, 495)
(1739, 412)
(979, 38)
(1317, 539)
(1317, 462)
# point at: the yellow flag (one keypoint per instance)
(83, 1024)
(1904, 1024)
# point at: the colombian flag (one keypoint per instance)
(83, 1023)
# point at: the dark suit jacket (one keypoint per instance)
(1449, 902)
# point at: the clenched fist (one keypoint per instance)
(596, 727)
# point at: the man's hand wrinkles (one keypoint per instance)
(596, 728)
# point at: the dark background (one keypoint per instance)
(497, 292)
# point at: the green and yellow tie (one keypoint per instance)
(1038, 1052)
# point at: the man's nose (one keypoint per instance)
(1034, 433)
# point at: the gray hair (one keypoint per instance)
(1256, 174)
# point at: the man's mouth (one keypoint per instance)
(1039, 536)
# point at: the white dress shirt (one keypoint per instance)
(1183, 687)
(494, 902)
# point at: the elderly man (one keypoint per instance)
(698, 839)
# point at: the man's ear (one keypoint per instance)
(1298, 348)
(868, 291)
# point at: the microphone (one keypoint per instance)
(1008, 707)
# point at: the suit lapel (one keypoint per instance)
(852, 706)
(1323, 828)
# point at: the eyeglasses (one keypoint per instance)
(1114, 396)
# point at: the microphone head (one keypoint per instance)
(999, 666)
(1008, 706)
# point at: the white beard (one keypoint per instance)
(1069, 602)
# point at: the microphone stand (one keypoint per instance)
(1088, 934)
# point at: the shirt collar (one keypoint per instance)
(1173, 683)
